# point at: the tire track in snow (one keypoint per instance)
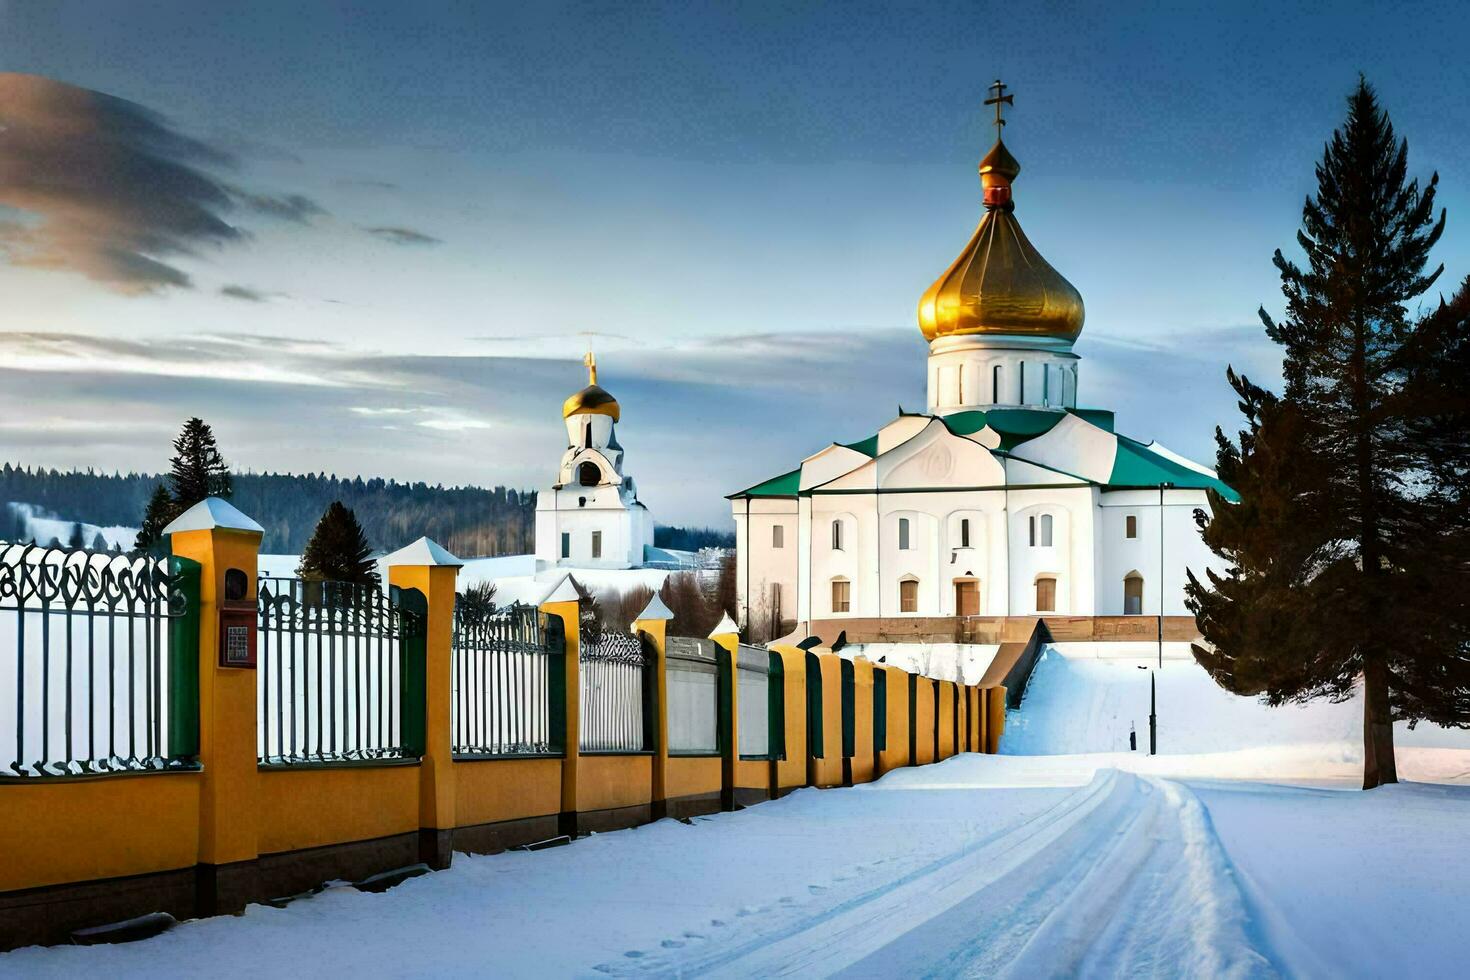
(1123, 877)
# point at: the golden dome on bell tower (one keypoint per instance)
(593, 399)
(1000, 285)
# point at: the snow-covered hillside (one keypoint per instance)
(27, 522)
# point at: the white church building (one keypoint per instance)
(1002, 501)
(591, 516)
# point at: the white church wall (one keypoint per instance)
(761, 567)
(1183, 548)
(828, 464)
(1068, 559)
(971, 375)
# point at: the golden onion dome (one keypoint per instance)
(593, 399)
(1000, 284)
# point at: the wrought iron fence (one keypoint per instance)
(693, 678)
(339, 672)
(504, 671)
(616, 678)
(103, 650)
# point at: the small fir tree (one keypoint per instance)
(1328, 586)
(338, 550)
(197, 470)
(160, 511)
(477, 603)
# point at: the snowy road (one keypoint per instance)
(1121, 877)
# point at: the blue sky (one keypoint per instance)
(426, 208)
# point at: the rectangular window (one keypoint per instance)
(596, 544)
(841, 596)
(908, 596)
(995, 384)
(903, 534)
(1046, 595)
(965, 532)
(566, 544)
(778, 536)
(1031, 523)
(1131, 523)
(836, 535)
(1046, 530)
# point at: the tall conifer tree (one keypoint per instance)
(197, 470)
(161, 510)
(338, 550)
(1326, 590)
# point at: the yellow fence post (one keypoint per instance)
(726, 635)
(427, 567)
(226, 544)
(564, 604)
(654, 620)
(995, 717)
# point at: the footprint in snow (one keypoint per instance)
(634, 954)
(693, 935)
(816, 889)
(672, 944)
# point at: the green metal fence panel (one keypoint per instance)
(183, 661)
(556, 681)
(880, 710)
(776, 708)
(849, 710)
(413, 703)
(814, 745)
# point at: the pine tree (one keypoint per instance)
(476, 604)
(78, 538)
(197, 470)
(338, 550)
(161, 510)
(1327, 588)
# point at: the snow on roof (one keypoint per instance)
(424, 551)
(210, 514)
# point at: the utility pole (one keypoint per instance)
(1153, 717)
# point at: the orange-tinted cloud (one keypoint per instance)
(109, 189)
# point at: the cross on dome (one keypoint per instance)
(997, 100)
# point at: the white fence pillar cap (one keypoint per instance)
(654, 610)
(564, 591)
(725, 627)
(212, 514)
(424, 551)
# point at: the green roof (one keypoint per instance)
(784, 485)
(1138, 466)
(1135, 465)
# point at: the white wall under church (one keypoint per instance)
(1118, 555)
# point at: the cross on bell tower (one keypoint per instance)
(998, 100)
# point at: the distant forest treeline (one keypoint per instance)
(469, 521)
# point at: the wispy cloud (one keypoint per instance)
(402, 236)
(112, 190)
(243, 292)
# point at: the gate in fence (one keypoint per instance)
(103, 648)
(616, 672)
(693, 670)
(506, 668)
(341, 672)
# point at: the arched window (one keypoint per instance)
(903, 534)
(964, 532)
(587, 434)
(589, 474)
(841, 595)
(995, 384)
(908, 595)
(1133, 595)
(837, 535)
(1046, 594)
(1040, 531)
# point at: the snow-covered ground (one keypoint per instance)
(1243, 851)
